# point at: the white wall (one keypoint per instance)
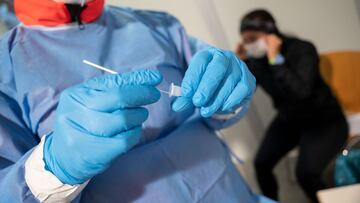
(185, 10)
(330, 24)
(357, 2)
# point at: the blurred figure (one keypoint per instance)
(308, 116)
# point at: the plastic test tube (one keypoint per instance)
(174, 90)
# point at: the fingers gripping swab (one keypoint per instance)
(174, 90)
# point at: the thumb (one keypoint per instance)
(182, 104)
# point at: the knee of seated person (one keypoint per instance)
(306, 175)
(262, 164)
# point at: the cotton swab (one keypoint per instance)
(99, 67)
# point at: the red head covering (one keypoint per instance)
(51, 13)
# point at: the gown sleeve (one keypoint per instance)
(297, 77)
(16, 140)
(23, 177)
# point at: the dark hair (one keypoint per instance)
(259, 20)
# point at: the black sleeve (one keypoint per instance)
(257, 67)
(297, 75)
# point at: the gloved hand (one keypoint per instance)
(96, 122)
(216, 82)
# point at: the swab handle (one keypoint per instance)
(175, 91)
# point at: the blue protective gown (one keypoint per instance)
(179, 158)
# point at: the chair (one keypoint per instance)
(341, 71)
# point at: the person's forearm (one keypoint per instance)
(296, 85)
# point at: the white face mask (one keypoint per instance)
(81, 2)
(256, 49)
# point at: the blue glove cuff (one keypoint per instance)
(52, 166)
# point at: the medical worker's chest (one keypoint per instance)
(50, 61)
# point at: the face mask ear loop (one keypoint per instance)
(81, 25)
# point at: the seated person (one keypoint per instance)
(308, 114)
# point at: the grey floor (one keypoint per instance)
(289, 192)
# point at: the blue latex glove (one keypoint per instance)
(216, 82)
(96, 122)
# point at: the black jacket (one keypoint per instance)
(296, 87)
